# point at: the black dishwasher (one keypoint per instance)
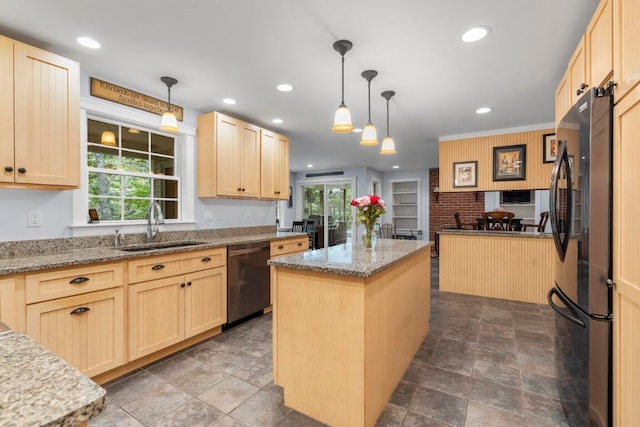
(248, 289)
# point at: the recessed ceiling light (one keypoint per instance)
(229, 101)
(483, 110)
(309, 165)
(396, 167)
(277, 121)
(356, 130)
(284, 87)
(88, 42)
(475, 34)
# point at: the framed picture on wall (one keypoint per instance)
(549, 148)
(465, 174)
(510, 163)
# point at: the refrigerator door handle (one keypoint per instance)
(574, 310)
(561, 243)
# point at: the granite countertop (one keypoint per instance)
(37, 388)
(356, 261)
(534, 235)
(55, 257)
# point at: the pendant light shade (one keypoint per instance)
(388, 146)
(108, 138)
(369, 133)
(169, 122)
(342, 120)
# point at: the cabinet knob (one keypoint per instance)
(239, 189)
(8, 168)
(243, 189)
(299, 243)
(583, 86)
(189, 283)
(280, 247)
(22, 170)
(80, 310)
(182, 285)
(78, 280)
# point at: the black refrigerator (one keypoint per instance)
(580, 216)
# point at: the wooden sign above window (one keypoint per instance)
(121, 95)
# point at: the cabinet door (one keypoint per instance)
(47, 118)
(282, 167)
(85, 330)
(156, 315)
(626, 46)
(626, 270)
(250, 160)
(227, 155)
(6, 110)
(578, 73)
(599, 44)
(206, 157)
(205, 300)
(563, 97)
(8, 302)
(268, 165)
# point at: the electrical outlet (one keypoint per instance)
(208, 216)
(34, 219)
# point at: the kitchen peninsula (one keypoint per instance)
(510, 265)
(347, 323)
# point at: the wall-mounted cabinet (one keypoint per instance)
(405, 205)
(563, 97)
(39, 118)
(626, 46)
(599, 44)
(274, 166)
(577, 73)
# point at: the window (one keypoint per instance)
(130, 171)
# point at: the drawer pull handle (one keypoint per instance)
(80, 310)
(280, 247)
(157, 267)
(206, 259)
(299, 243)
(189, 283)
(79, 280)
(182, 285)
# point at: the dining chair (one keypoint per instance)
(310, 228)
(387, 231)
(463, 225)
(541, 225)
(498, 220)
(296, 226)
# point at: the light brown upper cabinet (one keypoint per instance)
(39, 118)
(563, 97)
(578, 78)
(599, 45)
(626, 46)
(275, 166)
(228, 157)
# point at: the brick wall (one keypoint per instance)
(441, 212)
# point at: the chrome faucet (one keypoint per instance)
(154, 214)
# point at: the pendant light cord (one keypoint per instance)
(169, 89)
(369, 97)
(387, 117)
(342, 79)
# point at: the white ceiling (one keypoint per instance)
(243, 48)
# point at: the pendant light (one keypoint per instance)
(108, 138)
(388, 146)
(342, 120)
(169, 122)
(369, 134)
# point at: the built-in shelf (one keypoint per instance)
(405, 206)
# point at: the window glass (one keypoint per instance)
(128, 168)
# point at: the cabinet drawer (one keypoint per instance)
(157, 267)
(283, 247)
(72, 281)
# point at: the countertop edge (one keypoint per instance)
(534, 235)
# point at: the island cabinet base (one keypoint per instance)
(342, 343)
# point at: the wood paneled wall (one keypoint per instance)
(480, 149)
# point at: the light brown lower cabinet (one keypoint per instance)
(85, 330)
(166, 311)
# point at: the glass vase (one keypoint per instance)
(369, 238)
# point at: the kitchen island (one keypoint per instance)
(37, 388)
(347, 322)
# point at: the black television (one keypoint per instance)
(516, 196)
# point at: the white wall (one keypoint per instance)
(423, 174)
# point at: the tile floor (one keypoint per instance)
(485, 362)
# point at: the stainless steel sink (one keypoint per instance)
(158, 245)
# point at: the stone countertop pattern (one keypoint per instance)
(356, 261)
(29, 256)
(37, 388)
(534, 235)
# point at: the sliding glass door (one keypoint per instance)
(328, 204)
